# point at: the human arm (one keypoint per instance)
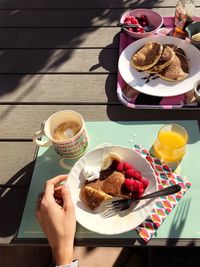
(56, 215)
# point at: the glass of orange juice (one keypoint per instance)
(170, 144)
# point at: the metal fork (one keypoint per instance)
(124, 204)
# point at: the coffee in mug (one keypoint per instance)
(66, 132)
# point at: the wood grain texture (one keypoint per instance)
(30, 117)
(58, 88)
(68, 17)
(59, 61)
(51, 4)
(16, 163)
(59, 37)
(11, 209)
(31, 4)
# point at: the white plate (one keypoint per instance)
(159, 87)
(118, 223)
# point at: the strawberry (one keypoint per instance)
(145, 182)
(127, 166)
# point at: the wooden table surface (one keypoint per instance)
(58, 55)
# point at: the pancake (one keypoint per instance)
(92, 198)
(177, 70)
(95, 192)
(164, 61)
(114, 185)
(147, 56)
(177, 49)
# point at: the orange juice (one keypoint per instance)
(170, 145)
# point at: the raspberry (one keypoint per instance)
(130, 29)
(131, 184)
(138, 176)
(145, 182)
(140, 188)
(130, 173)
(128, 18)
(141, 30)
(144, 23)
(134, 20)
(127, 166)
(128, 22)
(143, 18)
(119, 166)
(136, 195)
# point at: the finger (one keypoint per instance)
(39, 199)
(67, 199)
(50, 185)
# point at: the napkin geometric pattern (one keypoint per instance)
(164, 205)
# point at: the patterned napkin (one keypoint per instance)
(164, 205)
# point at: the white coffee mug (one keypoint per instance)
(72, 147)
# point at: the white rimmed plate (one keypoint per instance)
(118, 223)
(142, 81)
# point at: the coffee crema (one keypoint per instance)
(66, 130)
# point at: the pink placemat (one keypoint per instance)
(164, 205)
(134, 99)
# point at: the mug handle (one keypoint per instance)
(38, 142)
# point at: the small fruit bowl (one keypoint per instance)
(143, 22)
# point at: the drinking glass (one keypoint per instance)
(170, 144)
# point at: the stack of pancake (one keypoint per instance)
(168, 61)
(110, 184)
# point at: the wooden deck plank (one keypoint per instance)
(67, 18)
(11, 209)
(16, 163)
(59, 61)
(58, 37)
(28, 118)
(58, 88)
(36, 4)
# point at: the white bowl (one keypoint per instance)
(154, 18)
(118, 223)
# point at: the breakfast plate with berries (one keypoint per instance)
(105, 174)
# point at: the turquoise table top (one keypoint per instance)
(181, 223)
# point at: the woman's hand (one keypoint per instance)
(56, 215)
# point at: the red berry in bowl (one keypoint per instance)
(138, 176)
(130, 173)
(141, 30)
(134, 20)
(145, 182)
(128, 22)
(130, 29)
(119, 166)
(127, 166)
(140, 188)
(143, 18)
(129, 183)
